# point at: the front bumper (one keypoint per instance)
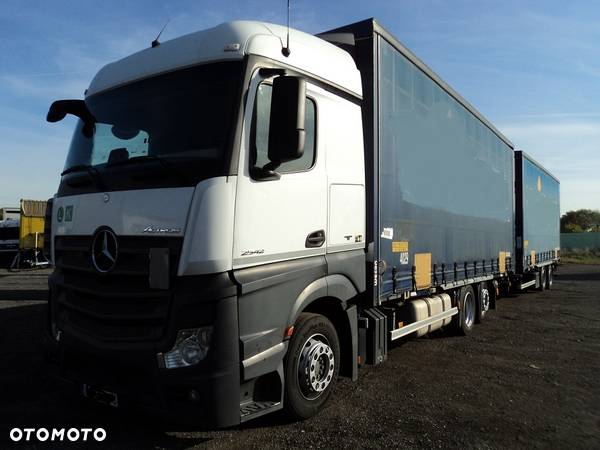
(130, 369)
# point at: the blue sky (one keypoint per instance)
(532, 68)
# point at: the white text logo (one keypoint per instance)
(58, 434)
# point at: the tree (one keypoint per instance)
(582, 220)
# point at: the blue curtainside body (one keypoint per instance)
(537, 214)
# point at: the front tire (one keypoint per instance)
(311, 366)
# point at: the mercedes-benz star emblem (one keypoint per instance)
(104, 250)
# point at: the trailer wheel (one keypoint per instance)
(483, 301)
(549, 277)
(542, 279)
(311, 365)
(467, 306)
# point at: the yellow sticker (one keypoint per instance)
(525, 244)
(423, 270)
(539, 184)
(399, 246)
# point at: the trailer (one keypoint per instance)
(537, 223)
(230, 261)
(439, 188)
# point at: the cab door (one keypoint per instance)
(283, 218)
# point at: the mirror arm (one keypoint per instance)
(267, 72)
(271, 166)
(264, 174)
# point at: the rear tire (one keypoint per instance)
(311, 366)
(542, 279)
(467, 306)
(484, 297)
(549, 277)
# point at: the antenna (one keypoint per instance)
(286, 50)
(155, 42)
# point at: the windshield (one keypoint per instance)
(182, 115)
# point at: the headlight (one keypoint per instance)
(191, 347)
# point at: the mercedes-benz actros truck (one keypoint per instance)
(248, 212)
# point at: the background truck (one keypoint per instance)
(7, 213)
(22, 235)
(241, 220)
(9, 236)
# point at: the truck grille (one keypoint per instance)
(118, 306)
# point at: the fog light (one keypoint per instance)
(194, 396)
(191, 347)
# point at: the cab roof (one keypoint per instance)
(232, 41)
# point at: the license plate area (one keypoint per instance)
(100, 395)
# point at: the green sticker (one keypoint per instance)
(69, 213)
(60, 214)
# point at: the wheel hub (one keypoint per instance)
(316, 366)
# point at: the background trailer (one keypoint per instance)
(537, 220)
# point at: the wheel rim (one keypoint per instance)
(549, 277)
(485, 300)
(316, 367)
(469, 309)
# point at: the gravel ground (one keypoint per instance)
(526, 378)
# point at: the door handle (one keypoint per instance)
(315, 239)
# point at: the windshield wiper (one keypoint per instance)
(76, 168)
(146, 158)
(91, 171)
(139, 159)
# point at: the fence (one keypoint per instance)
(579, 241)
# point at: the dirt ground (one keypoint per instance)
(528, 377)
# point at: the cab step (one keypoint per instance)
(251, 410)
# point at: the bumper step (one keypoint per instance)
(252, 410)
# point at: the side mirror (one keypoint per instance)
(56, 113)
(286, 128)
(60, 108)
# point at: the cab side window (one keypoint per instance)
(259, 137)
